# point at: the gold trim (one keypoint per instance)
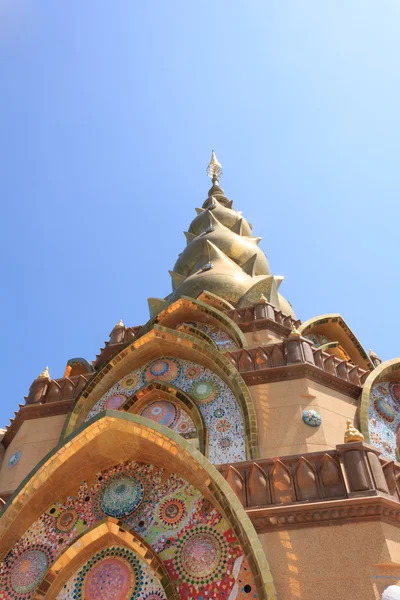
(156, 390)
(161, 341)
(335, 319)
(387, 367)
(213, 317)
(112, 438)
(103, 534)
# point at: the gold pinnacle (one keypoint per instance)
(352, 434)
(119, 324)
(214, 169)
(44, 374)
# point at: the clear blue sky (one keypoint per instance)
(109, 111)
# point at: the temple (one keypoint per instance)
(223, 450)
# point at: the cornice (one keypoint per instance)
(325, 513)
(301, 371)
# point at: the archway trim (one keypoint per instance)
(161, 341)
(113, 437)
(386, 368)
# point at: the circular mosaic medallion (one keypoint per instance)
(28, 570)
(225, 442)
(162, 412)
(204, 391)
(192, 372)
(110, 579)
(201, 556)
(129, 382)
(164, 369)
(219, 413)
(66, 520)
(14, 458)
(312, 418)
(223, 426)
(394, 388)
(114, 402)
(184, 427)
(112, 574)
(172, 512)
(121, 496)
(384, 409)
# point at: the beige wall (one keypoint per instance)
(34, 439)
(279, 407)
(340, 562)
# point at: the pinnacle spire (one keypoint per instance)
(44, 374)
(214, 169)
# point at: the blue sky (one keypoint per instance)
(109, 112)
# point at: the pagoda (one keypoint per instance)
(223, 450)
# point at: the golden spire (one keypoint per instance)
(44, 374)
(214, 169)
(295, 332)
(119, 324)
(352, 434)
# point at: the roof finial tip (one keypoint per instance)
(214, 169)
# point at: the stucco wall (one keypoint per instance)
(279, 407)
(34, 439)
(341, 562)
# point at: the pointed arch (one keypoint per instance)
(113, 438)
(157, 390)
(105, 533)
(190, 309)
(157, 343)
(380, 408)
(335, 329)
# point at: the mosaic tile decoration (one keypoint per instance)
(384, 417)
(223, 341)
(193, 540)
(14, 458)
(220, 410)
(318, 339)
(115, 573)
(170, 415)
(311, 418)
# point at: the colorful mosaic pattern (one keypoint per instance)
(222, 340)
(14, 458)
(311, 418)
(170, 415)
(226, 439)
(318, 339)
(384, 417)
(115, 573)
(192, 539)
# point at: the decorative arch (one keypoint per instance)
(162, 391)
(211, 318)
(111, 452)
(108, 534)
(217, 404)
(330, 328)
(156, 344)
(380, 409)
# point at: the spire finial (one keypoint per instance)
(119, 324)
(44, 374)
(214, 169)
(352, 434)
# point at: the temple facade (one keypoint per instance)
(222, 450)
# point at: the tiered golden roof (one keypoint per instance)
(222, 256)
